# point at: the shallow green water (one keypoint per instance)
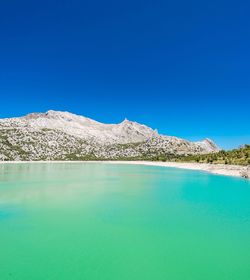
(99, 221)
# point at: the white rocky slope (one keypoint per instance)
(62, 135)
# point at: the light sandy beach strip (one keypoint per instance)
(222, 169)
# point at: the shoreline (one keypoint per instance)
(219, 169)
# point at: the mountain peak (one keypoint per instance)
(126, 121)
(60, 114)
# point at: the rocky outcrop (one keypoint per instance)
(245, 173)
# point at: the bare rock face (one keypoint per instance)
(208, 145)
(31, 137)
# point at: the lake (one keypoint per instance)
(100, 221)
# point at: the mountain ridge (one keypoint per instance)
(123, 140)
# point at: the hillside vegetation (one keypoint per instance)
(240, 156)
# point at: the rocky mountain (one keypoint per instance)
(58, 135)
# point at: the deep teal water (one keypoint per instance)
(99, 221)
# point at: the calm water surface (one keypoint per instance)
(98, 221)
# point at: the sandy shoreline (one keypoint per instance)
(221, 169)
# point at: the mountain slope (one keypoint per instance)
(62, 135)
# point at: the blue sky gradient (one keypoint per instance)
(180, 66)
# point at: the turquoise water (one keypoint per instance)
(99, 221)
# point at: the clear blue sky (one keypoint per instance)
(180, 66)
